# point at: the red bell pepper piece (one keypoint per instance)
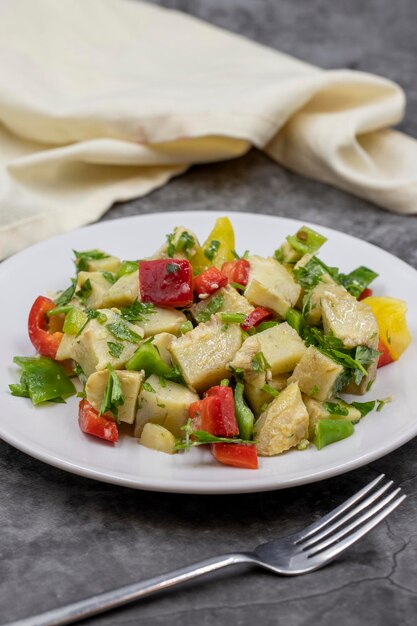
(384, 358)
(254, 318)
(46, 343)
(237, 271)
(97, 425)
(209, 281)
(215, 413)
(366, 293)
(236, 454)
(166, 282)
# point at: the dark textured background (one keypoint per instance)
(63, 537)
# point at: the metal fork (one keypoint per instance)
(302, 552)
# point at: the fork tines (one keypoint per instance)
(369, 506)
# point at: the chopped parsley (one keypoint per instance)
(271, 390)
(138, 311)
(82, 258)
(259, 363)
(66, 295)
(172, 268)
(85, 291)
(210, 309)
(121, 330)
(148, 387)
(201, 437)
(211, 251)
(113, 396)
(111, 278)
(115, 349)
(334, 408)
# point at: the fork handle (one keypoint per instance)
(117, 597)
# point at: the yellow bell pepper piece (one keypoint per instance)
(218, 247)
(390, 316)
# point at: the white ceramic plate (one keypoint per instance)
(51, 433)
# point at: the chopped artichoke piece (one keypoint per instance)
(316, 374)
(95, 287)
(181, 244)
(232, 302)
(108, 264)
(163, 321)
(283, 424)
(130, 383)
(124, 292)
(271, 285)
(165, 403)
(257, 397)
(204, 353)
(282, 347)
(91, 349)
(348, 319)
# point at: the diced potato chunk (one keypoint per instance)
(124, 292)
(282, 347)
(318, 411)
(271, 285)
(204, 353)
(158, 438)
(108, 264)
(130, 383)
(283, 424)
(233, 302)
(167, 404)
(257, 398)
(163, 321)
(99, 288)
(91, 348)
(316, 374)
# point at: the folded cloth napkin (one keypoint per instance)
(105, 100)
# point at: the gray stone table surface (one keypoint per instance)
(63, 537)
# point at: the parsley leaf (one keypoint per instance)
(82, 258)
(201, 437)
(334, 408)
(85, 291)
(121, 330)
(210, 309)
(115, 349)
(259, 363)
(113, 396)
(212, 249)
(138, 311)
(66, 295)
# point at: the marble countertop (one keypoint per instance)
(63, 537)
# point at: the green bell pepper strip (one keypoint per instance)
(244, 416)
(306, 240)
(75, 319)
(295, 319)
(127, 267)
(147, 358)
(42, 379)
(330, 430)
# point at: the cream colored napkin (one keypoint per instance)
(105, 100)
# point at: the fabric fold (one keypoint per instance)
(107, 100)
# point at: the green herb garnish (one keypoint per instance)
(82, 258)
(121, 330)
(212, 249)
(138, 311)
(210, 309)
(115, 349)
(259, 363)
(113, 396)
